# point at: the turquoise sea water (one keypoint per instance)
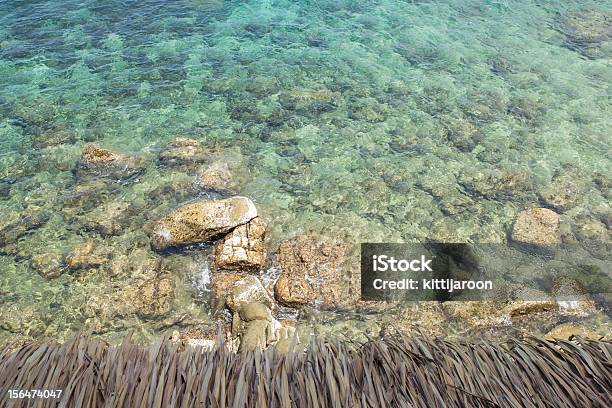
(383, 120)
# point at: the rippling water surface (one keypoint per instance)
(383, 120)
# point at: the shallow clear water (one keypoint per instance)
(383, 120)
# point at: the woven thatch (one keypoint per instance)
(394, 372)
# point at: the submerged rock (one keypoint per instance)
(593, 230)
(564, 192)
(55, 137)
(97, 162)
(243, 248)
(152, 298)
(217, 176)
(86, 195)
(108, 219)
(85, 256)
(500, 184)
(587, 31)
(537, 227)
(183, 152)
(476, 313)
(310, 99)
(5, 189)
(314, 272)
(421, 318)
(49, 265)
(176, 184)
(567, 331)
(462, 133)
(529, 302)
(572, 298)
(14, 224)
(588, 26)
(137, 263)
(511, 306)
(201, 221)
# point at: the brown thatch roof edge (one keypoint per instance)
(392, 372)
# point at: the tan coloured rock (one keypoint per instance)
(96, 162)
(217, 176)
(245, 290)
(254, 311)
(254, 336)
(85, 256)
(523, 308)
(243, 248)
(220, 286)
(201, 335)
(254, 325)
(233, 290)
(314, 272)
(152, 298)
(537, 227)
(286, 338)
(567, 331)
(49, 265)
(529, 302)
(572, 298)
(201, 221)
(183, 152)
(108, 219)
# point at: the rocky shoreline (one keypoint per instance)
(258, 295)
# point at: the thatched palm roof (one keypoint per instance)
(392, 372)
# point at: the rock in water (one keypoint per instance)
(243, 248)
(588, 26)
(234, 290)
(55, 137)
(587, 31)
(14, 224)
(564, 192)
(97, 162)
(246, 290)
(109, 218)
(201, 221)
(567, 331)
(85, 256)
(152, 298)
(181, 152)
(537, 227)
(256, 327)
(572, 297)
(217, 176)
(49, 265)
(314, 272)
